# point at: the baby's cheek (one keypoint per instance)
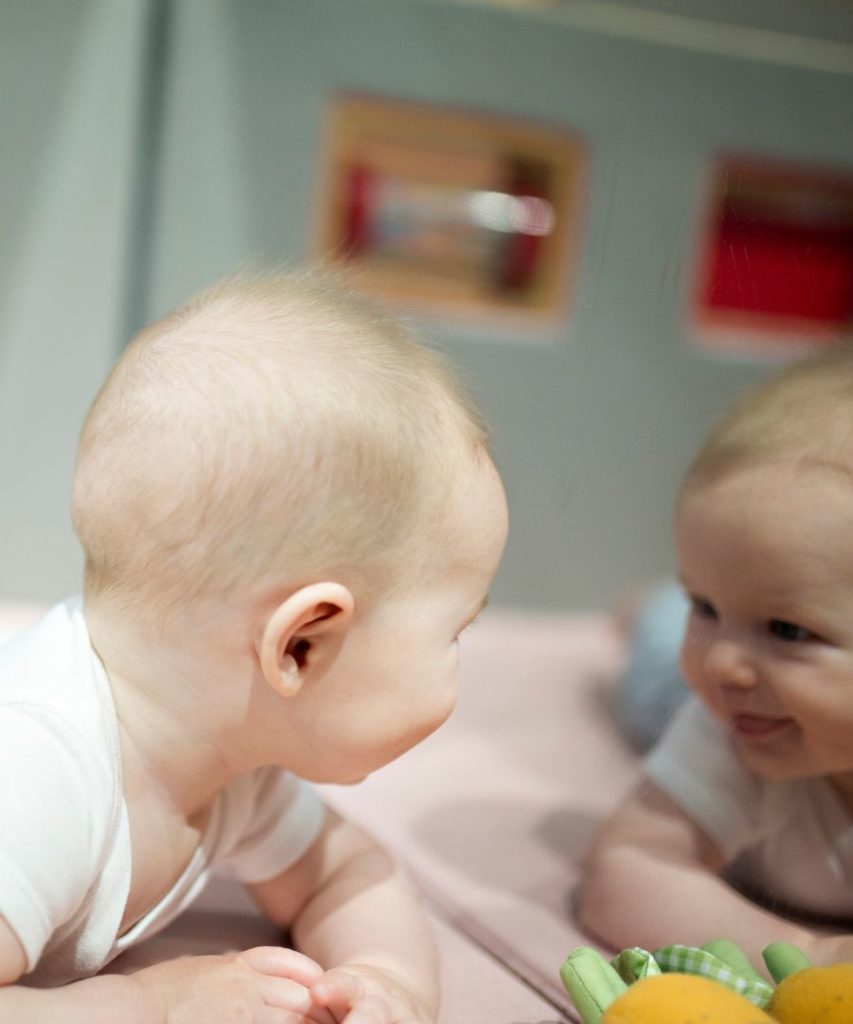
(449, 706)
(441, 709)
(689, 663)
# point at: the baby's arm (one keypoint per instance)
(350, 908)
(256, 987)
(98, 1001)
(653, 879)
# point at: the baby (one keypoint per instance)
(743, 825)
(289, 515)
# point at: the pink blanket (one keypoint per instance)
(494, 811)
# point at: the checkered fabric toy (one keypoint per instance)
(714, 983)
(706, 962)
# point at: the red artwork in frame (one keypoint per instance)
(778, 256)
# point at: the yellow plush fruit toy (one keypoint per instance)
(816, 995)
(685, 999)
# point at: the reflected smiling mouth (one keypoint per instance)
(759, 727)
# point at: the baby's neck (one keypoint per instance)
(843, 785)
(180, 704)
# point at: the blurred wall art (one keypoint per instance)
(778, 255)
(450, 212)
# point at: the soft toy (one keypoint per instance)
(714, 984)
(682, 999)
(823, 995)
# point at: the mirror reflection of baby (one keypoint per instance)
(742, 825)
(289, 514)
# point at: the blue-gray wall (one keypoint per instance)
(69, 78)
(592, 425)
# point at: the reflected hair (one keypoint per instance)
(802, 414)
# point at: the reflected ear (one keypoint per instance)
(303, 635)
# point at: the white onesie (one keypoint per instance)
(791, 840)
(65, 856)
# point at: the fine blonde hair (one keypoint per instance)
(802, 414)
(275, 425)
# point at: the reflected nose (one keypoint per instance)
(727, 664)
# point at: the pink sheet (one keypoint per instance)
(493, 812)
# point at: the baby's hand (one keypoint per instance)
(359, 994)
(264, 985)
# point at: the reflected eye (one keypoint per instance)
(701, 608)
(789, 631)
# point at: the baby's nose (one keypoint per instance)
(728, 664)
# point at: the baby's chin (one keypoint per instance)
(776, 766)
(771, 772)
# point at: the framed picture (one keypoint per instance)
(449, 212)
(777, 263)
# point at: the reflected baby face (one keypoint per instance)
(766, 557)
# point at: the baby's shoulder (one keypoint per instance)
(49, 670)
(57, 722)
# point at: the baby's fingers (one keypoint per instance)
(290, 995)
(272, 1015)
(347, 996)
(283, 963)
(369, 1010)
(339, 991)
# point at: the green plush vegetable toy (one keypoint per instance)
(714, 983)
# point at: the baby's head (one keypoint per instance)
(764, 528)
(275, 428)
(801, 415)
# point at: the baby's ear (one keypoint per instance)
(303, 635)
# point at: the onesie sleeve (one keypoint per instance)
(696, 765)
(271, 818)
(48, 833)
